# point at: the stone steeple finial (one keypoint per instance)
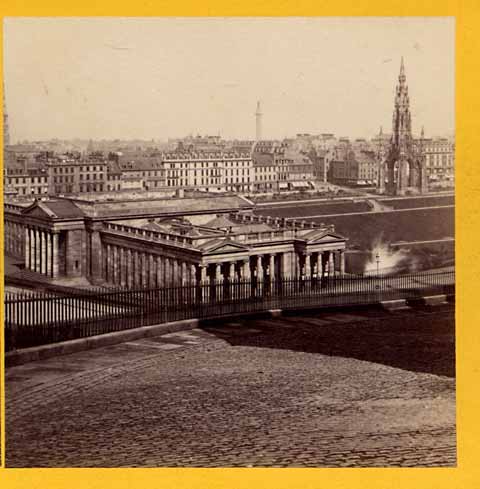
(401, 77)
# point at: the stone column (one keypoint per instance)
(140, 264)
(297, 265)
(18, 240)
(286, 260)
(193, 274)
(135, 281)
(32, 249)
(246, 269)
(10, 236)
(55, 253)
(49, 254)
(116, 267)
(231, 271)
(308, 265)
(185, 273)
(108, 273)
(204, 282)
(182, 269)
(218, 272)
(138, 269)
(160, 279)
(259, 267)
(177, 272)
(9, 230)
(141, 269)
(218, 281)
(96, 252)
(129, 268)
(271, 267)
(123, 267)
(43, 256)
(38, 251)
(27, 248)
(173, 272)
(342, 262)
(331, 264)
(21, 241)
(110, 263)
(319, 265)
(151, 272)
(168, 273)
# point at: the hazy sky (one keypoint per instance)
(168, 77)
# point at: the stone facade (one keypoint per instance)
(168, 243)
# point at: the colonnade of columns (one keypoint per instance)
(41, 251)
(126, 267)
(130, 268)
(322, 263)
(13, 238)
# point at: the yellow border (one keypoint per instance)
(466, 475)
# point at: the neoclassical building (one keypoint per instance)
(157, 243)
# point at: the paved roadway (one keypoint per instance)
(362, 388)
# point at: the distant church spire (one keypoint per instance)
(6, 131)
(258, 120)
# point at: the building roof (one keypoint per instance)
(220, 222)
(155, 226)
(365, 156)
(263, 159)
(122, 207)
(113, 168)
(62, 209)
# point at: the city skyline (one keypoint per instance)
(78, 80)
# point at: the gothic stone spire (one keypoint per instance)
(401, 122)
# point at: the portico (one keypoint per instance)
(62, 239)
(53, 241)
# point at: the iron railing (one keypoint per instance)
(33, 319)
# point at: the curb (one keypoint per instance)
(19, 357)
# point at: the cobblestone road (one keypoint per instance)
(368, 388)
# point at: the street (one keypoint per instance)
(362, 388)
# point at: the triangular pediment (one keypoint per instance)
(38, 210)
(217, 247)
(325, 238)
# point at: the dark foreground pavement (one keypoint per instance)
(364, 388)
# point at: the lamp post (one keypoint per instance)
(377, 259)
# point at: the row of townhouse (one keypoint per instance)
(279, 167)
(266, 168)
(353, 167)
(356, 162)
(439, 159)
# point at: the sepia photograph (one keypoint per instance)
(229, 242)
